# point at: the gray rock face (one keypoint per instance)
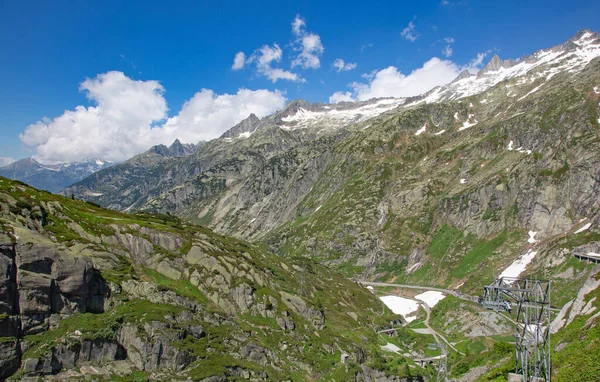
(176, 150)
(248, 125)
(257, 354)
(8, 280)
(299, 306)
(155, 352)
(70, 356)
(368, 374)
(10, 357)
(495, 64)
(54, 283)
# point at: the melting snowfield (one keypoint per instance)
(391, 348)
(519, 265)
(584, 228)
(338, 116)
(532, 239)
(422, 129)
(401, 305)
(431, 297)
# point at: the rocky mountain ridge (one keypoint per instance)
(52, 177)
(302, 129)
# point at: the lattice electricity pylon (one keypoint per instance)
(530, 301)
(443, 366)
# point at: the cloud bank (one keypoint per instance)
(130, 116)
(390, 82)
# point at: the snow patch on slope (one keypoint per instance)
(531, 92)
(532, 239)
(431, 297)
(468, 124)
(390, 347)
(339, 116)
(518, 266)
(584, 228)
(401, 305)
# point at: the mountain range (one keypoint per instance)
(494, 174)
(51, 177)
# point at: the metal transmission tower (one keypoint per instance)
(529, 300)
(443, 366)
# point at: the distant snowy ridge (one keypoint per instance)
(544, 64)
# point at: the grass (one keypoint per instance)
(102, 326)
(182, 287)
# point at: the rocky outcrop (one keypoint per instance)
(10, 357)
(154, 349)
(295, 303)
(73, 355)
(55, 282)
(176, 150)
(248, 125)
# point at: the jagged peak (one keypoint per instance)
(464, 74)
(583, 33)
(247, 125)
(297, 103)
(494, 64)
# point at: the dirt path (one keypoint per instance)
(436, 334)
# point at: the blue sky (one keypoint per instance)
(168, 52)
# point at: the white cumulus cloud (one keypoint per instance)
(342, 66)
(5, 161)
(265, 57)
(308, 44)
(447, 51)
(307, 47)
(298, 25)
(341, 97)
(390, 82)
(128, 119)
(208, 115)
(410, 33)
(239, 61)
(475, 64)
